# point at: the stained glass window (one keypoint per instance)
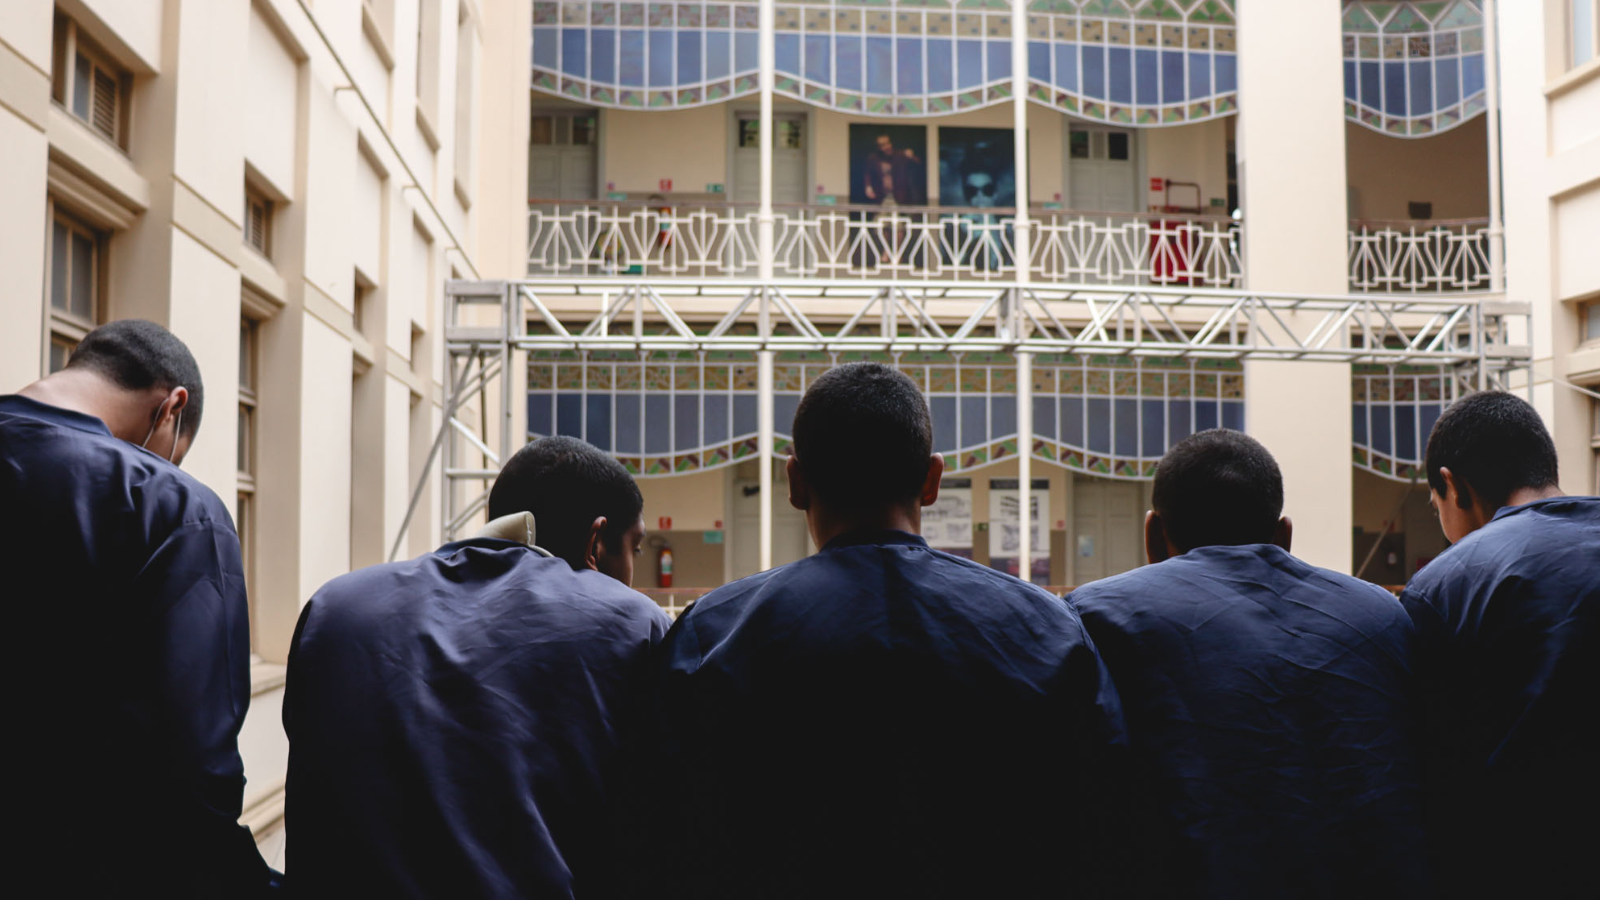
(1413, 69)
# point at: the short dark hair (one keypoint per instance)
(567, 484)
(1495, 444)
(137, 355)
(1218, 487)
(863, 438)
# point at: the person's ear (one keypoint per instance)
(930, 485)
(799, 490)
(594, 547)
(1155, 538)
(1455, 488)
(177, 400)
(1283, 533)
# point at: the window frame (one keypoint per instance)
(246, 457)
(1569, 50)
(70, 44)
(253, 198)
(62, 326)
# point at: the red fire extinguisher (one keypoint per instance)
(664, 566)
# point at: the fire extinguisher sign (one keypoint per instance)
(664, 523)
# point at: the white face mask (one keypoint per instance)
(177, 429)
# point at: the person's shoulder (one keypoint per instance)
(619, 600)
(1128, 587)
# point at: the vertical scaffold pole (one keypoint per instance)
(764, 251)
(1491, 61)
(1022, 250)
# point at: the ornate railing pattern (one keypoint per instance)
(708, 240)
(1420, 257)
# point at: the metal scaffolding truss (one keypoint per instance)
(486, 322)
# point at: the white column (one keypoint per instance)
(1291, 176)
(1491, 124)
(1019, 124)
(768, 62)
(764, 450)
(1025, 463)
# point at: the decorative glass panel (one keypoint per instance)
(1415, 68)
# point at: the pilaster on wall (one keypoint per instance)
(1290, 151)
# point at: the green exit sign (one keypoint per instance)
(715, 189)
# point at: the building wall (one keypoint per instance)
(1449, 170)
(363, 174)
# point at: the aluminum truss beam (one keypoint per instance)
(486, 323)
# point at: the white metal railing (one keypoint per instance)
(1420, 257)
(964, 244)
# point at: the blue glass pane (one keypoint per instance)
(630, 66)
(628, 424)
(1072, 421)
(1039, 61)
(657, 423)
(1044, 417)
(1358, 424)
(689, 58)
(999, 60)
(718, 60)
(974, 421)
(1178, 421)
(969, 64)
(569, 415)
(1447, 82)
(1205, 415)
(744, 415)
(1371, 92)
(1067, 66)
(1099, 424)
(847, 65)
(1233, 414)
(540, 415)
(1227, 73)
(1421, 88)
(1471, 75)
(599, 422)
(1172, 76)
(603, 56)
(1094, 72)
(574, 52)
(686, 422)
(1199, 75)
(661, 59)
(1121, 74)
(943, 410)
(786, 48)
(1405, 432)
(880, 66)
(1394, 88)
(1351, 90)
(1126, 428)
(908, 65)
(818, 60)
(1153, 420)
(747, 52)
(1380, 429)
(545, 54)
(1002, 416)
(941, 68)
(716, 419)
(783, 408)
(1147, 84)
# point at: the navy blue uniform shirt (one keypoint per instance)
(456, 727)
(1267, 708)
(882, 719)
(1508, 668)
(129, 667)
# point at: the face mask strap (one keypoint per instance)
(176, 430)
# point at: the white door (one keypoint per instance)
(561, 155)
(1101, 170)
(788, 158)
(1107, 527)
(788, 527)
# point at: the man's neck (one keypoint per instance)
(1528, 495)
(83, 392)
(826, 525)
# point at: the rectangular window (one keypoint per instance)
(258, 221)
(89, 84)
(1591, 321)
(1583, 31)
(244, 514)
(360, 303)
(73, 280)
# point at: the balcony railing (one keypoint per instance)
(967, 244)
(1420, 257)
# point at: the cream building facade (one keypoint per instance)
(286, 184)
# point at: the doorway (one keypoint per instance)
(788, 157)
(1107, 527)
(1101, 170)
(562, 149)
